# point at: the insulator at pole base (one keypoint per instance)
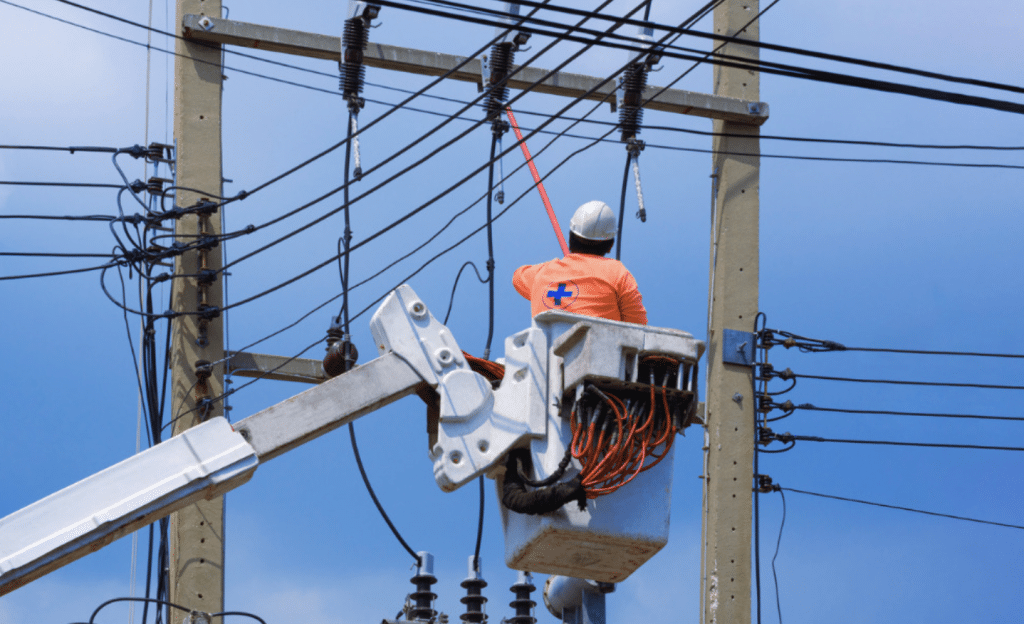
(523, 604)
(423, 598)
(473, 599)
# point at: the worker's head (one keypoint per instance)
(592, 229)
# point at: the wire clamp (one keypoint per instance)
(765, 484)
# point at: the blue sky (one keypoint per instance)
(873, 255)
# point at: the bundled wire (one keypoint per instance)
(616, 439)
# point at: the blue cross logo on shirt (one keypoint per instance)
(560, 295)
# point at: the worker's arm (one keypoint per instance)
(522, 279)
(631, 302)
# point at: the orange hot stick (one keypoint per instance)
(540, 185)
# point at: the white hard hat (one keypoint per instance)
(594, 221)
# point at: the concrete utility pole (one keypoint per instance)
(197, 532)
(729, 440)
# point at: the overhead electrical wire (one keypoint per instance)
(415, 211)
(760, 65)
(947, 384)
(430, 155)
(68, 184)
(788, 437)
(727, 39)
(808, 406)
(901, 508)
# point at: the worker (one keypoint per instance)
(584, 282)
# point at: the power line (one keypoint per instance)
(923, 352)
(816, 345)
(108, 150)
(902, 382)
(61, 217)
(759, 65)
(68, 184)
(809, 406)
(52, 255)
(5, 278)
(757, 43)
(921, 511)
(768, 436)
(422, 160)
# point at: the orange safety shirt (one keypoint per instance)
(584, 284)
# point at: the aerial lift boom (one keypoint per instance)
(478, 425)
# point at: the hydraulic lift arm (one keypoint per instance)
(545, 366)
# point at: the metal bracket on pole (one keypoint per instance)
(738, 347)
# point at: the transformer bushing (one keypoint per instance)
(423, 609)
(473, 599)
(523, 604)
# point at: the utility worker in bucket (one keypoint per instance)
(584, 282)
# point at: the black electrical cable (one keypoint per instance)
(477, 230)
(809, 406)
(887, 161)
(479, 526)
(369, 488)
(451, 300)
(92, 619)
(406, 279)
(909, 383)
(54, 273)
(760, 317)
(64, 184)
(920, 511)
(778, 543)
(730, 39)
(436, 151)
(421, 207)
(478, 200)
(490, 248)
(242, 613)
(52, 255)
(60, 149)
(924, 352)
(301, 165)
(61, 217)
(787, 437)
(622, 208)
(781, 69)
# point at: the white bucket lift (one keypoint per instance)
(548, 368)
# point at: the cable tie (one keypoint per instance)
(765, 484)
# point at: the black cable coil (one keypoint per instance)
(501, 64)
(631, 111)
(353, 43)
